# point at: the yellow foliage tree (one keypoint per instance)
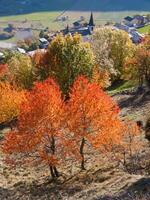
(10, 100)
(21, 70)
(101, 77)
(111, 49)
(66, 58)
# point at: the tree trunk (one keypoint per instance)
(82, 154)
(52, 172)
(55, 171)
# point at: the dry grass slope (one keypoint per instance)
(99, 182)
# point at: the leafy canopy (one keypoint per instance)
(67, 57)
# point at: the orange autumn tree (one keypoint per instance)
(38, 135)
(138, 67)
(129, 143)
(10, 101)
(101, 77)
(3, 71)
(127, 152)
(92, 117)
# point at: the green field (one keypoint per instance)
(145, 29)
(48, 18)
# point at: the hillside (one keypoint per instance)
(105, 182)
(29, 6)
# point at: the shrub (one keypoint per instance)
(28, 44)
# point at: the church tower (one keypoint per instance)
(91, 22)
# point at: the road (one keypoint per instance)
(7, 45)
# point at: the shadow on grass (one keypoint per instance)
(135, 100)
(53, 191)
(139, 190)
(37, 191)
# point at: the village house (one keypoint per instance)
(80, 23)
(128, 21)
(136, 21)
(81, 27)
(134, 35)
(131, 25)
(122, 27)
(139, 20)
(43, 43)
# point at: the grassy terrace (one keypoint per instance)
(121, 86)
(145, 29)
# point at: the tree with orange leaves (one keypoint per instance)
(101, 77)
(3, 71)
(50, 130)
(128, 150)
(146, 42)
(92, 117)
(38, 132)
(138, 67)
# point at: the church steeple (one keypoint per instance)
(67, 29)
(91, 22)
